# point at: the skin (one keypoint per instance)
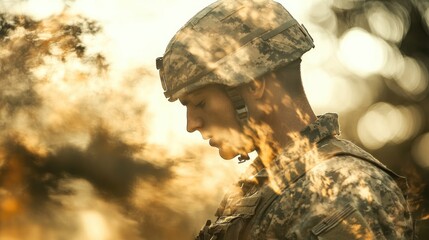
(210, 111)
(274, 114)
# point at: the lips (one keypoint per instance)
(205, 136)
(213, 143)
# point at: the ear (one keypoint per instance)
(256, 88)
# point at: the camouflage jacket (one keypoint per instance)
(320, 187)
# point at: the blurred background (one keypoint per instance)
(90, 148)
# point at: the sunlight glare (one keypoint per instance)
(40, 9)
(361, 52)
(326, 91)
(299, 9)
(94, 225)
(326, 44)
(319, 87)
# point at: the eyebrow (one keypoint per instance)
(183, 102)
(192, 95)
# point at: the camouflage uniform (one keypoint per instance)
(320, 187)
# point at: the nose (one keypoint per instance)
(193, 121)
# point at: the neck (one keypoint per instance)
(279, 129)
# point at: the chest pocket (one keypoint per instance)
(228, 227)
(231, 224)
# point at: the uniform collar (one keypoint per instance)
(297, 158)
(302, 154)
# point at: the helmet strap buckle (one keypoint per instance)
(243, 158)
(239, 105)
(242, 113)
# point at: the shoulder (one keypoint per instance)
(348, 164)
(349, 174)
(343, 189)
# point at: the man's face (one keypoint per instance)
(210, 111)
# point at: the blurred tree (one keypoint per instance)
(27, 44)
(49, 175)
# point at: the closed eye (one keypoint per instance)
(200, 104)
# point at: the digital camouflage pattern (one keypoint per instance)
(320, 187)
(231, 43)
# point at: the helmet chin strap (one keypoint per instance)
(242, 114)
(243, 158)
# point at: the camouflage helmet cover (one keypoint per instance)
(231, 43)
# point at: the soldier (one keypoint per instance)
(236, 67)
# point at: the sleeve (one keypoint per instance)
(347, 200)
(364, 203)
(346, 223)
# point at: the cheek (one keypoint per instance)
(223, 117)
(234, 140)
(226, 127)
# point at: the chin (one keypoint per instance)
(227, 155)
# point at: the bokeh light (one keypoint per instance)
(421, 150)
(411, 78)
(389, 21)
(320, 55)
(384, 123)
(323, 15)
(345, 4)
(329, 92)
(361, 52)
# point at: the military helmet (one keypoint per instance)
(231, 42)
